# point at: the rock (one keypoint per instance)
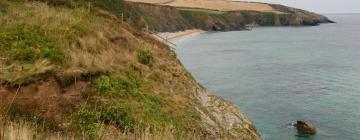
(223, 120)
(305, 127)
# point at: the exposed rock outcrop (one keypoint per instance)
(305, 127)
(221, 118)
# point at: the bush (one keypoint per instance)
(118, 115)
(3, 7)
(266, 18)
(145, 57)
(86, 120)
(118, 110)
(247, 17)
(134, 79)
(110, 85)
(27, 44)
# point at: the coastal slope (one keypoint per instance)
(94, 73)
(220, 15)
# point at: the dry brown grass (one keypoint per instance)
(66, 27)
(62, 24)
(96, 44)
(22, 130)
(14, 73)
(92, 43)
(102, 51)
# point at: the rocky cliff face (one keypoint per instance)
(298, 17)
(222, 118)
(162, 18)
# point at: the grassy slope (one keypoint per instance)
(131, 81)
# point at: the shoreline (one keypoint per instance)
(170, 37)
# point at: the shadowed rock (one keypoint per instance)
(305, 127)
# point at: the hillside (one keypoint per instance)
(80, 70)
(220, 15)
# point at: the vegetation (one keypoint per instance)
(86, 120)
(35, 42)
(248, 18)
(109, 85)
(28, 44)
(266, 18)
(17, 112)
(201, 10)
(145, 57)
(196, 17)
(24, 130)
(127, 107)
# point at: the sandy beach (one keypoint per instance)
(175, 36)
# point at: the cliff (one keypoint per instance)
(176, 16)
(91, 72)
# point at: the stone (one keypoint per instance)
(305, 127)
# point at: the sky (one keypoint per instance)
(320, 6)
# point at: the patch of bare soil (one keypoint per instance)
(45, 97)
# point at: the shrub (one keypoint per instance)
(15, 111)
(3, 7)
(110, 85)
(118, 115)
(86, 120)
(27, 44)
(145, 57)
(266, 18)
(247, 17)
(134, 79)
(118, 110)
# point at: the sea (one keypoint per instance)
(278, 75)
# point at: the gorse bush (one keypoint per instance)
(127, 99)
(145, 57)
(115, 86)
(118, 115)
(86, 119)
(110, 85)
(27, 44)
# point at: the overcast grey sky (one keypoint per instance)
(320, 6)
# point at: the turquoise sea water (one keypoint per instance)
(281, 74)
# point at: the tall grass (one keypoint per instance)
(22, 130)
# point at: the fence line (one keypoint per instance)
(164, 39)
